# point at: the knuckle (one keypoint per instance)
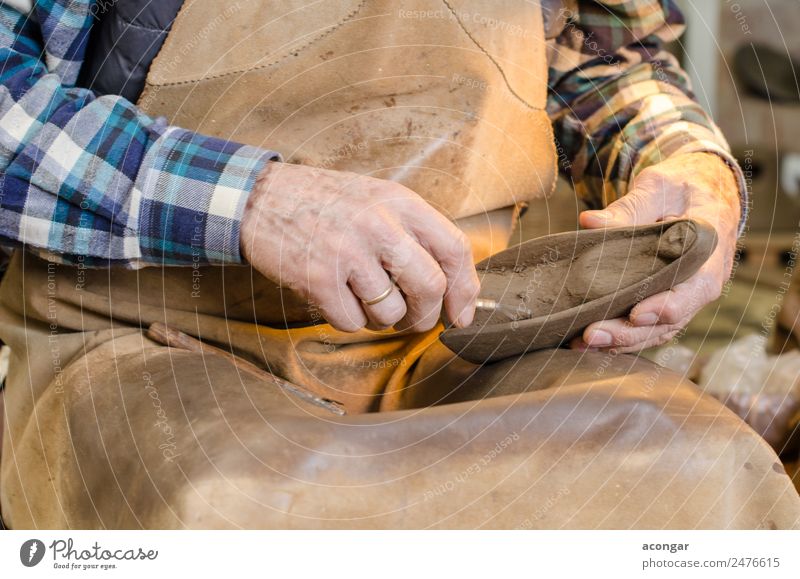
(388, 234)
(437, 285)
(660, 340)
(664, 338)
(379, 222)
(472, 288)
(622, 337)
(341, 249)
(357, 263)
(401, 197)
(425, 285)
(397, 260)
(461, 247)
(312, 283)
(423, 325)
(403, 192)
(672, 312)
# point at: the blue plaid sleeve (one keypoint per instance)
(92, 179)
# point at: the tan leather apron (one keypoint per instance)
(447, 98)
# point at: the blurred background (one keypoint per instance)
(743, 349)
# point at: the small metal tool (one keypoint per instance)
(517, 313)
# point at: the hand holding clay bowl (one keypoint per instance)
(548, 290)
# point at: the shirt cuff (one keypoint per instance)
(192, 190)
(689, 138)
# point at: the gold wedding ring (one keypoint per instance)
(385, 294)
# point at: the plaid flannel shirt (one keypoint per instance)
(90, 179)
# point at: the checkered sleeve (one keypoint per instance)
(92, 179)
(620, 102)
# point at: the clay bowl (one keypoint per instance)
(549, 289)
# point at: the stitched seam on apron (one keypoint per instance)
(490, 57)
(273, 63)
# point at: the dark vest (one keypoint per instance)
(124, 41)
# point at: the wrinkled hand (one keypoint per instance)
(337, 237)
(694, 185)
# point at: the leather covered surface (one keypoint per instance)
(144, 436)
(107, 429)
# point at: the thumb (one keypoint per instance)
(639, 207)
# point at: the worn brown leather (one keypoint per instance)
(107, 429)
(580, 451)
(551, 288)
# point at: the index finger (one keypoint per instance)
(451, 248)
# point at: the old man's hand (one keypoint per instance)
(365, 251)
(694, 185)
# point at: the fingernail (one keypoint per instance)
(648, 319)
(599, 338)
(604, 215)
(466, 317)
